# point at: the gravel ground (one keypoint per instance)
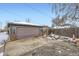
(49, 47)
(20, 47)
(55, 48)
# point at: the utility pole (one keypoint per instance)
(0, 24)
(28, 20)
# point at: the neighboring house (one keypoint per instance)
(22, 30)
(66, 30)
(64, 26)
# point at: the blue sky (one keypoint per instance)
(37, 13)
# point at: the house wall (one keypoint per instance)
(22, 32)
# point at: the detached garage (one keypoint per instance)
(21, 30)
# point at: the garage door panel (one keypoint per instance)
(24, 32)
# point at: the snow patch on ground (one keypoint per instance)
(1, 54)
(3, 37)
(2, 45)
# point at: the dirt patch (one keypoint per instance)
(20, 47)
(41, 47)
(55, 48)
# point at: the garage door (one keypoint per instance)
(25, 32)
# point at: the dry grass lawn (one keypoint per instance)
(41, 47)
(20, 47)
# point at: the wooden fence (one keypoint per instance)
(67, 32)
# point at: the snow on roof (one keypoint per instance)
(24, 23)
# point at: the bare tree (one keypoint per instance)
(60, 21)
(66, 12)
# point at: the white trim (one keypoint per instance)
(24, 23)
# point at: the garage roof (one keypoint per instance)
(23, 23)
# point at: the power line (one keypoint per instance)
(10, 12)
(36, 10)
